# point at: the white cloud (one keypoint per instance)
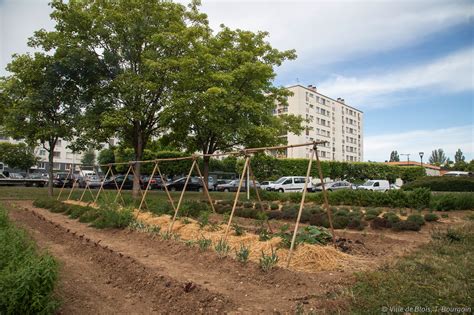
(378, 148)
(323, 32)
(452, 73)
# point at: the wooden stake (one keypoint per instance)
(121, 186)
(102, 184)
(148, 186)
(308, 172)
(64, 184)
(166, 188)
(247, 161)
(181, 197)
(74, 185)
(139, 189)
(206, 191)
(112, 175)
(87, 188)
(259, 199)
(325, 195)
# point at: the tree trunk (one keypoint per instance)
(137, 168)
(50, 169)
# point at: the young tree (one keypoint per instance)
(459, 157)
(40, 102)
(230, 100)
(438, 157)
(88, 158)
(394, 157)
(139, 47)
(19, 156)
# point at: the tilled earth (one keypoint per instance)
(123, 271)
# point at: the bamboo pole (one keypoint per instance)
(74, 184)
(121, 186)
(325, 195)
(181, 197)
(64, 184)
(139, 189)
(206, 190)
(295, 232)
(84, 192)
(148, 186)
(116, 186)
(166, 188)
(102, 184)
(247, 161)
(258, 197)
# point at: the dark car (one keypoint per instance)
(120, 180)
(194, 184)
(63, 180)
(155, 182)
(233, 185)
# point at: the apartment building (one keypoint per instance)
(330, 120)
(64, 158)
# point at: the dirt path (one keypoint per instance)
(131, 272)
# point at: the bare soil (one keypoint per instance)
(124, 271)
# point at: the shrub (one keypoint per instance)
(443, 183)
(268, 262)
(275, 215)
(340, 222)
(420, 198)
(222, 248)
(248, 205)
(27, 278)
(416, 218)
(319, 219)
(193, 208)
(452, 201)
(238, 230)
(274, 206)
(431, 217)
(264, 235)
(76, 212)
(242, 254)
(203, 219)
(204, 243)
(89, 216)
(289, 211)
(406, 226)
(113, 218)
(380, 223)
(391, 217)
(356, 223)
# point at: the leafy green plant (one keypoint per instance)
(406, 226)
(264, 235)
(431, 217)
(445, 215)
(113, 218)
(222, 248)
(274, 206)
(242, 254)
(416, 218)
(238, 230)
(166, 235)
(189, 243)
(391, 217)
(268, 262)
(204, 243)
(203, 219)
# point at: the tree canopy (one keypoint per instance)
(18, 156)
(459, 156)
(438, 157)
(394, 157)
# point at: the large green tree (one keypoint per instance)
(394, 157)
(230, 99)
(459, 156)
(88, 157)
(438, 157)
(139, 46)
(40, 101)
(19, 156)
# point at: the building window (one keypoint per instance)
(42, 152)
(56, 154)
(58, 143)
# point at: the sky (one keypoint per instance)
(408, 65)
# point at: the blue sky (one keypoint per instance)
(409, 65)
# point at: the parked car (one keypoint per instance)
(63, 180)
(333, 186)
(456, 174)
(265, 184)
(221, 182)
(394, 187)
(36, 180)
(375, 185)
(194, 184)
(16, 176)
(289, 184)
(234, 185)
(127, 182)
(155, 182)
(93, 181)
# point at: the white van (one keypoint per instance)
(87, 173)
(375, 185)
(289, 184)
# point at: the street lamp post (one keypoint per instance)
(421, 158)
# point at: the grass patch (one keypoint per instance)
(439, 274)
(27, 278)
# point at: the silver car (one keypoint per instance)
(335, 186)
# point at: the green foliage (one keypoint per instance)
(203, 219)
(274, 206)
(20, 156)
(113, 217)
(264, 235)
(242, 254)
(88, 157)
(222, 248)
(238, 230)
(380, 223)
(431, 217)
(416, 218)
(443, 267)
(406, 226)
(437, 157)
(27, 278)
(309, 234)
(204, 243)
(106, 156)
(452, 201)
(268, 262)
(394, 157)
(391, 217)
(442, 183)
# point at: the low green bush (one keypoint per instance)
(442, 183)
(274, 206)
(111, 217)
(452, 201)
(89, 216)
(27, 278)
(431, 217)
(380, 223)
(391, 217)
(416, 218)
(356, 223)
(406, 226)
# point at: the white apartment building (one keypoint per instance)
(64, 158)
(329, 120)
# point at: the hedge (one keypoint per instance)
(269, 168)
(452, 201)
(443, 183)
